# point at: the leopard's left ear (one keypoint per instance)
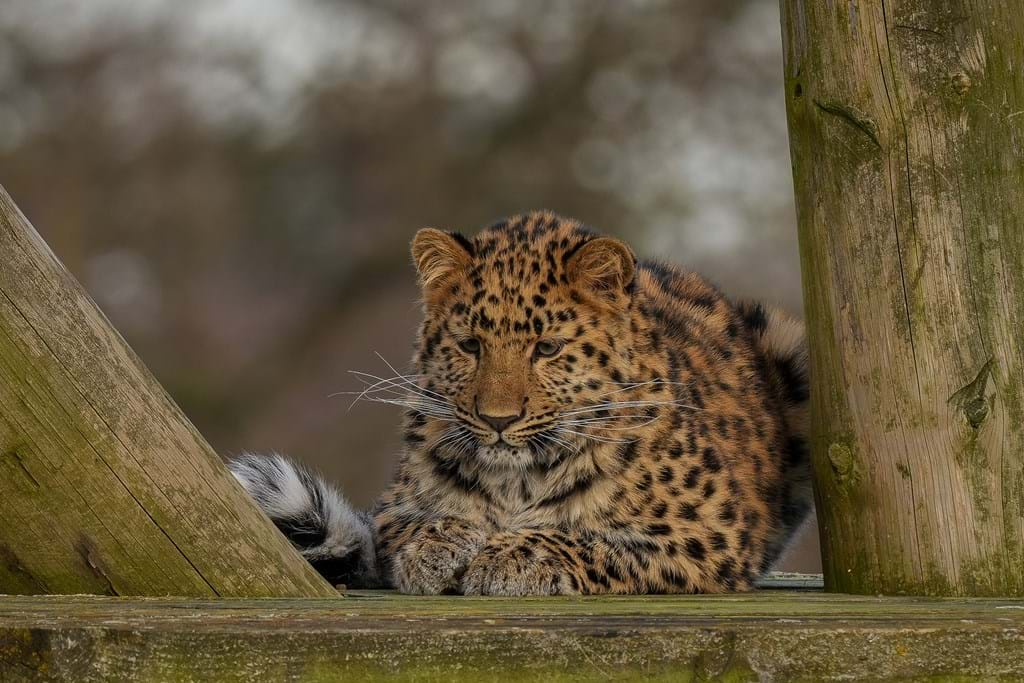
(604, 266)
(439, 255)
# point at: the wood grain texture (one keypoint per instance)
(907, 136)
(368, 636)
(105, 486)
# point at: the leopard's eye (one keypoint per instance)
(546, 348)
(470, 345)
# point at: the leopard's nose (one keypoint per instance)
(499, 422)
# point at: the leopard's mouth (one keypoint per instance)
(511, 441)
(496, 440)
(502, 454)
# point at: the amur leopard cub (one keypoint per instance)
(577, 423)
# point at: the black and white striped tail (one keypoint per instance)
(336, 539)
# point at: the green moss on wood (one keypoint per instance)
(372, 636)
(105, 487)
(907, 143)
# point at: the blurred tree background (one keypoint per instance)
(236, 181)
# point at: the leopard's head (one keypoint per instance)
(526, 333)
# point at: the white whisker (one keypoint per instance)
(636, 385)
(601, 439)
(428, 410)
(593, 437)
(608, 418)
(398, 374)
(556, 441)
(610, 429)
(401, 381)
(386, 390)
(616, 405)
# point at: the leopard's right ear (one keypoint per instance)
(439, 255)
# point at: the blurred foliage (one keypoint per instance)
(236, 182)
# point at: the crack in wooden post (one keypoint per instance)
(852, 117)
(913, 271)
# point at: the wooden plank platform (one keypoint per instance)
(777, 635)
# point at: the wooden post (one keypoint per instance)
(906, 121)
(105, 486)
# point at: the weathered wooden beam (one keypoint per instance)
(906, 123)
(365, 636)
(105, 486)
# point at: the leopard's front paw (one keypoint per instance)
(436, 557)
(514, 565)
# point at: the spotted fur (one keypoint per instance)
(579, 423)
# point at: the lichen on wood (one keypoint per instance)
(906, 123)
(369, 636)
(105, 486)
